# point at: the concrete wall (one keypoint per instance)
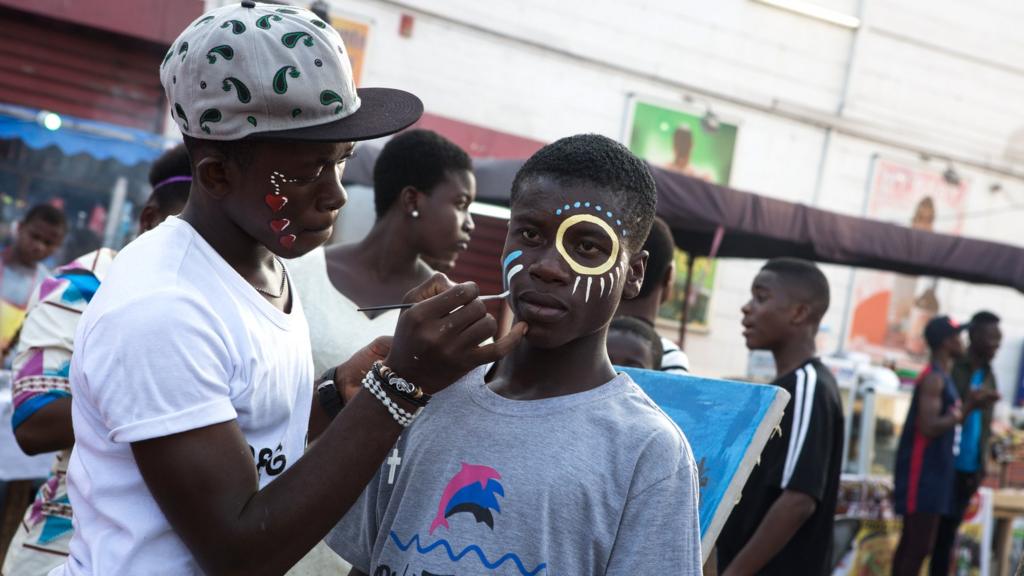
(935, 77)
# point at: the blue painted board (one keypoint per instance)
(727, 424)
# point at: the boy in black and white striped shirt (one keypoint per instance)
(783, 523)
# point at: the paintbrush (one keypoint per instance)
(508, 280)
(404, 306)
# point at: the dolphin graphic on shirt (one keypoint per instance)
(473, 489)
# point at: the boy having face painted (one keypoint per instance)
(192, 375)
(548, 462)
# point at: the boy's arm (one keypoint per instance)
(930, 421)
(205, 482)
(207, 486)
(784, 518)
(804, 479)
(42, 395)
(347, 380)
(48, 429)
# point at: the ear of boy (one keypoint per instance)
(215, 174)
(409, 200)
(667, 282)
(635, 275)
(800, 314)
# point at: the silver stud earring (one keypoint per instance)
(415, 214)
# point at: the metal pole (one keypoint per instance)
(684, 316)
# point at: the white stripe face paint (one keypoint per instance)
(798, 409)
(508, 273)
(512, 272)
(576, 284)
(590, 280)
(602, 287)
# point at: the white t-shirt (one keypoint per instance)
(337, 329)
(174, 340)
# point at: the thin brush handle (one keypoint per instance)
(404, 306)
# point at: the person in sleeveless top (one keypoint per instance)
(924, 477)
(423, 187)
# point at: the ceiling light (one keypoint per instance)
(710, 121)
(951, 176)
(814, 11)
(50, 121)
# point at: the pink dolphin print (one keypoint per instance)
(468, 474)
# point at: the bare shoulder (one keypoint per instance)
(932, 384)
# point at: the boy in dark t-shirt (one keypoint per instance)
(783, 523)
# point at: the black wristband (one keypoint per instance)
(389, 379)
(328, 396)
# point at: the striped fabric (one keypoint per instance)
(803, 407)
(41, 377)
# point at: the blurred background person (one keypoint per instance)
(42, 394)
(423, 187)
(39, 234)
(633, 343)
(925, 474)
(682, 154)
(655, 291)
(783, 523)
(972, 375)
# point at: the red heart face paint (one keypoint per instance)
(276, 203)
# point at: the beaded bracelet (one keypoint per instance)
(401, 416)
(400, 386)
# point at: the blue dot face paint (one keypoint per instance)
(606, 276)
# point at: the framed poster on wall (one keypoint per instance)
(889, 311)
(355, 34)
(680, 140)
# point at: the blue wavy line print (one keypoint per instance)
(471, 548)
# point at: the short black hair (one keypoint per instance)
(172, 163)
(238, 151)
(643, 331)
(418, 158)
(660, 248)
(599, 160)
(982, 318)
(805, 280)
(46, 213)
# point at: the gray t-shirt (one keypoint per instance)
(600, 482)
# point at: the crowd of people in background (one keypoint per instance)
(198, 349)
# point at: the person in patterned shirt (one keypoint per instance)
(42, 395)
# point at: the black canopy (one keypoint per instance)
(753, 226)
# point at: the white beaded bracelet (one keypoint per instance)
(401, 416)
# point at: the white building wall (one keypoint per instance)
(941, 76)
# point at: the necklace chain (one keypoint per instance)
(284, 282)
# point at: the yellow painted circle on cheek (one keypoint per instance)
(576, 266)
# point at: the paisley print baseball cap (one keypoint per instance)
(267, 71)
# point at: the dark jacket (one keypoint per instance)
(962, 371)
